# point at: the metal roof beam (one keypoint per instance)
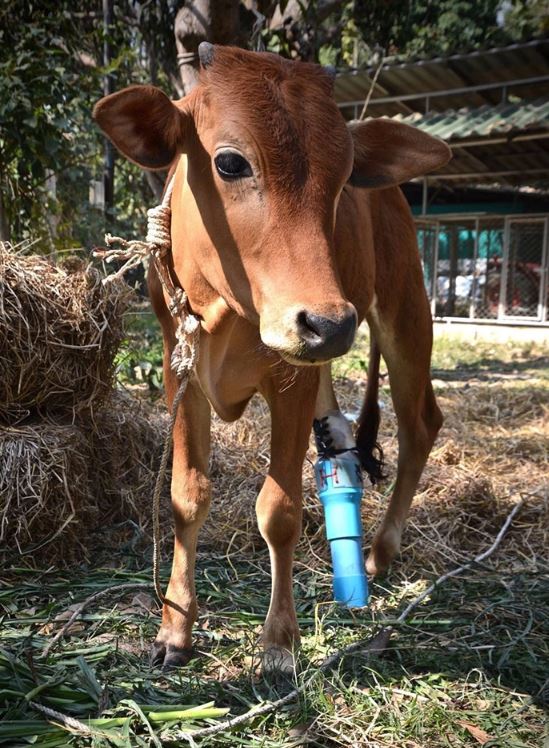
(478, 174)
(377, 85)
(500, 141)
(392, 61)
(449, 91)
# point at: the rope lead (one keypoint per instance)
(185, 353)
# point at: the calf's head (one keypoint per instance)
(268, 154)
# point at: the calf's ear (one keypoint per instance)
(389, 153)
(144, 125)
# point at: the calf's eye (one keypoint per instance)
(231, 165)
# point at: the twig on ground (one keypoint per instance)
(375, 645)
(408, 609)
(84, 604)
(67, 721)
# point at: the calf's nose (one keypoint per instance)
(323, 338)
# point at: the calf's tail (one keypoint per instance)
(369, 450)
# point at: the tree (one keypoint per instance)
(50, 77)
(42, 129)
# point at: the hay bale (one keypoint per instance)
(45, 488)
(127, 440)
(60, 329)
(64, 486)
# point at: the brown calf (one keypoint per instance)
(288, 229)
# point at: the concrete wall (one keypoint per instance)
(497, 333)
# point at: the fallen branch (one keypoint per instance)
(70, 722)
(84, 604)
(375, 645)
(476, 560)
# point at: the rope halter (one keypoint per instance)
(158, 245)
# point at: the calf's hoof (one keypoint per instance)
(277, 660)
(168, 657)
(385, 547)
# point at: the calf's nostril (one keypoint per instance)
(309, 328)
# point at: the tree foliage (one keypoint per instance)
(43, 133)
(355, 32)
(51, 75)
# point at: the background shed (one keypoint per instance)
(483, 219)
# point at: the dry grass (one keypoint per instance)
(60, 329)
(468, 668)
(44, 484)
(75, 456)
(73, 479)
(492, 449)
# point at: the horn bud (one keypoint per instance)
(206, 53)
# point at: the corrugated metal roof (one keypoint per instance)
(495, 65)
(522, 162)
(491, 140)
(521, 48)
(484, 121)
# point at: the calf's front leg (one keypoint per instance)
(190, 502)
(279, 509)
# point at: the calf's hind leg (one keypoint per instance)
(407, 355)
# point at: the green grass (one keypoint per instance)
(480, 357)
(459, 357)
(139, 360)
(472, 658)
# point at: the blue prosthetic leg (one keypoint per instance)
(339, 483)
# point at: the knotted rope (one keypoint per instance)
(157, 245)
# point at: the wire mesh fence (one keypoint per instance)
(487, 267)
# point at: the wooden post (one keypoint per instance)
(108, 88)
(4, 223)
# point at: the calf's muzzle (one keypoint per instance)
(323, 338)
